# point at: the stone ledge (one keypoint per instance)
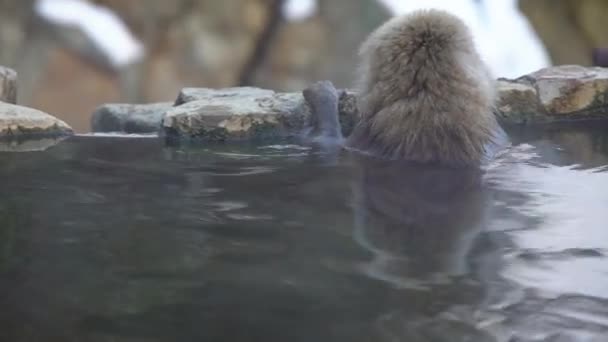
(235, 113)
(129, 118)
(556, 94)
(18, 121)
(561, 93)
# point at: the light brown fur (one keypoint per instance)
(424, 93)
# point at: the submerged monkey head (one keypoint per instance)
(424, 93)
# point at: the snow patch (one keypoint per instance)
(104, 27)
(297, 10)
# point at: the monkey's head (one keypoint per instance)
(425, 33)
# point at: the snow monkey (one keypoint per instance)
(424, 94)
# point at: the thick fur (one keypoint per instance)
(424, 93)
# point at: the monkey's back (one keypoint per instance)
(424, 93)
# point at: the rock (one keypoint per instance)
(236, 113)
(195, 94)
(562, 93)
(16, 121)
(518, 102)
(208, 112)
(129, 118)
(571, 89)
(8, 85)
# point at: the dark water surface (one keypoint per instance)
(114, 239)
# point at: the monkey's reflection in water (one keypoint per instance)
(418, 221)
